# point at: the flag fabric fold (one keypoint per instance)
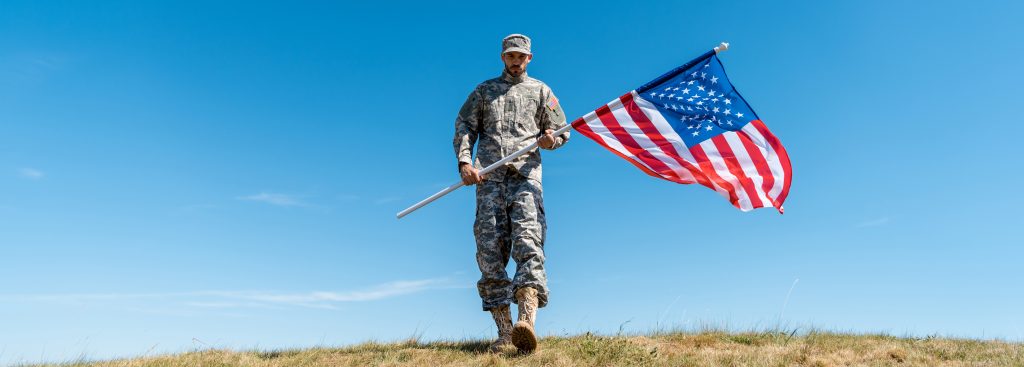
(690, 125)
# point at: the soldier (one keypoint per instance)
(501, 116)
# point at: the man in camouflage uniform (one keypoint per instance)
(501, 116)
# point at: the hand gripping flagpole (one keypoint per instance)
(718, 49)
(484, 171)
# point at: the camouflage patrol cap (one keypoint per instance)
(516, 43)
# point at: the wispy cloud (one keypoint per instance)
(31, 173)
(51, 62)
(250, 299)
(274, 199)
(385, 200)
(874, 222)
(34, 66)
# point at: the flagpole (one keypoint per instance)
(718, 49)
(484, 171)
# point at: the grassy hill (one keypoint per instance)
(709, 348)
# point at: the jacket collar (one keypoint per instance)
(513, 79)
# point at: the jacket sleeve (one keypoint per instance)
(553, 117)
(467, 126)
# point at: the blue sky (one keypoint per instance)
(189, 175)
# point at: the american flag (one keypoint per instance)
(690, 125)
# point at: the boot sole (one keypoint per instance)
(523, 337)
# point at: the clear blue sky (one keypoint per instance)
(188, 174)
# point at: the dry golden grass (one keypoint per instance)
(709, 348)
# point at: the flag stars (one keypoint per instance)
(727, 112)
(715, 110)
(703, 75)
(686, 90)
(700, 88)
(696, 132)
(711, 93)
(672, 95)
(714, 79)
(739, 114)
(690, 83)
(708, 128)
(727, 101)
(694, 74)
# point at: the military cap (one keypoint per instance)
(516, 43)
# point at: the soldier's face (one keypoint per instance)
(515, 62)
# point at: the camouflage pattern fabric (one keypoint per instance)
(501, 116)
(510, 223)
(516, 43)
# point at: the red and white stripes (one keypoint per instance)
(749, 167)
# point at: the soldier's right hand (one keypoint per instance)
(470, 175)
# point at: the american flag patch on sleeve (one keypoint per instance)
(553, 103)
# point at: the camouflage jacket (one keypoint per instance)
(503, 115)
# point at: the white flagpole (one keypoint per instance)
(484, 171)
(718, 49)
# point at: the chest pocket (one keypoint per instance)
(525, 115)
(490, 111)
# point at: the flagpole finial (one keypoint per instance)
(722, 47)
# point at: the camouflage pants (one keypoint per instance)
(510, 222)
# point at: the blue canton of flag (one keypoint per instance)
(698, 98)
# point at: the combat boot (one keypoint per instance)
(503, 320)
(523, 335)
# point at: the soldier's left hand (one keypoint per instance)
(546, 141)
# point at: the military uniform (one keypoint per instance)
(501, 116)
